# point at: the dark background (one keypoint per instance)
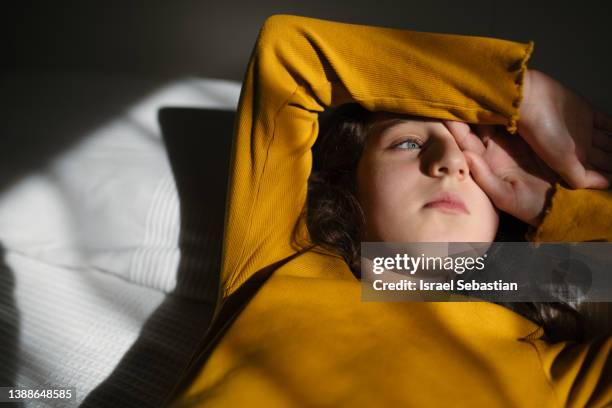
(170, 39)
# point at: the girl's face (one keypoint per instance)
(414, 185)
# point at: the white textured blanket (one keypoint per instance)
(110, 231)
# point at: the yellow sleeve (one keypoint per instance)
(578, 372)
(575, 216)
(298, 67)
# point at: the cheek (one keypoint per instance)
(486, 215)
(385, 192)
(376, 184)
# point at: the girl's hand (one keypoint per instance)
(571, 136)
(506, 169)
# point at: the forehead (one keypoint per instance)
(381, 121)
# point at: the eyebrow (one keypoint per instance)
(385, 124)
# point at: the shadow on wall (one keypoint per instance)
(46, 114)
(198, 145)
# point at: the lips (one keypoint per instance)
(447, 201)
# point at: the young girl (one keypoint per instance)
(290, 327)
(375, 175)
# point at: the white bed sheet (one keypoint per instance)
(90, 241)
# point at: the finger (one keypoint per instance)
(603, 121)
(498, 190)
(598, 179)
(485, 132)
(573, 172)
(466, 140)
(602, 140)
(474, 142)
(600, 159)
(561, 157)
(579, 176)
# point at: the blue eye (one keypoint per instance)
(408, 144)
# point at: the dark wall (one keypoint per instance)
(214, 38)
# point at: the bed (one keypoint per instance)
(111, 214)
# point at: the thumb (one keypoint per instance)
(572, 171)
(578, 175)
(498, 190)
(596, 180)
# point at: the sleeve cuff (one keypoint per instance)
(519, 81)
(574, 216)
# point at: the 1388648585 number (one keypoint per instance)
(13, 394)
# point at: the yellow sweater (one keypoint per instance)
(305, 338)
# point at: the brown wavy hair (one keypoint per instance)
(335, 220)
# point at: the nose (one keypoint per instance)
(447, 159)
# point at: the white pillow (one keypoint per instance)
(109, 202)
(90, 258)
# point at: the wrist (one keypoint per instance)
(526, 100)
(544, 208)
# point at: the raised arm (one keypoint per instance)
(300, 66)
